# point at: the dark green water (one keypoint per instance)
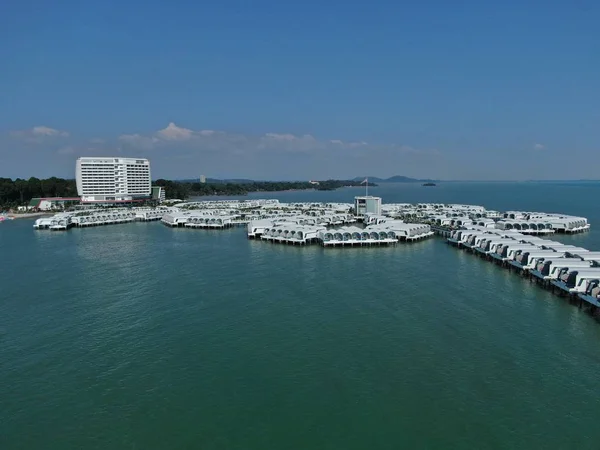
(142, 337)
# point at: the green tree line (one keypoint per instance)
(19, 192)
(183, 190)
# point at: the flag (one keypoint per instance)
(366, 180)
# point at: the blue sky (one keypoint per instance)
(301, 90)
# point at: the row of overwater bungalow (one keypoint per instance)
(58, 222)
(566, 269)
(223, 214)
(315, 216)
(227, 213)
(65, 220)
(198, 219)
(145, 214)
(298, 232)
(458, 216)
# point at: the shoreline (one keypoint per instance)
(28, 215)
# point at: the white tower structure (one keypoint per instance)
(105, 179)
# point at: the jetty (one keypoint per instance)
(326, 224)
(567, 270)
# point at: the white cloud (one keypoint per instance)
(171, 132)
(178, 142)
(174, 133)
(539, 146)
(262, 154)
(280, 137)
(38, 134)
(47, 131)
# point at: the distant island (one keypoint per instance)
(395, 179)
(19, 192)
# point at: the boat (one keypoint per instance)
(429, 184)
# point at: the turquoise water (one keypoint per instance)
(139, 336)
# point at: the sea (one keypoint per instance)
(139, 336)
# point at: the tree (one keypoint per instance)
(19, 191)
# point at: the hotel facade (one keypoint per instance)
(113, 179)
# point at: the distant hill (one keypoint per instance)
(371, 179)
(394, 179)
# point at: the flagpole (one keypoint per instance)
(366, 187)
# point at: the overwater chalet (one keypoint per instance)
(354, 236)
(555, 268)
(292, 233)
(528, 258)
(585, 279)
(585, 255)
(504, 236)
(545, 267)
(490, 245)
(510, 238)
(568, 280)
(572, 270)
(404, 231)
(525, 227)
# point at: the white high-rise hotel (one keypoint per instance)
(112, 179)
